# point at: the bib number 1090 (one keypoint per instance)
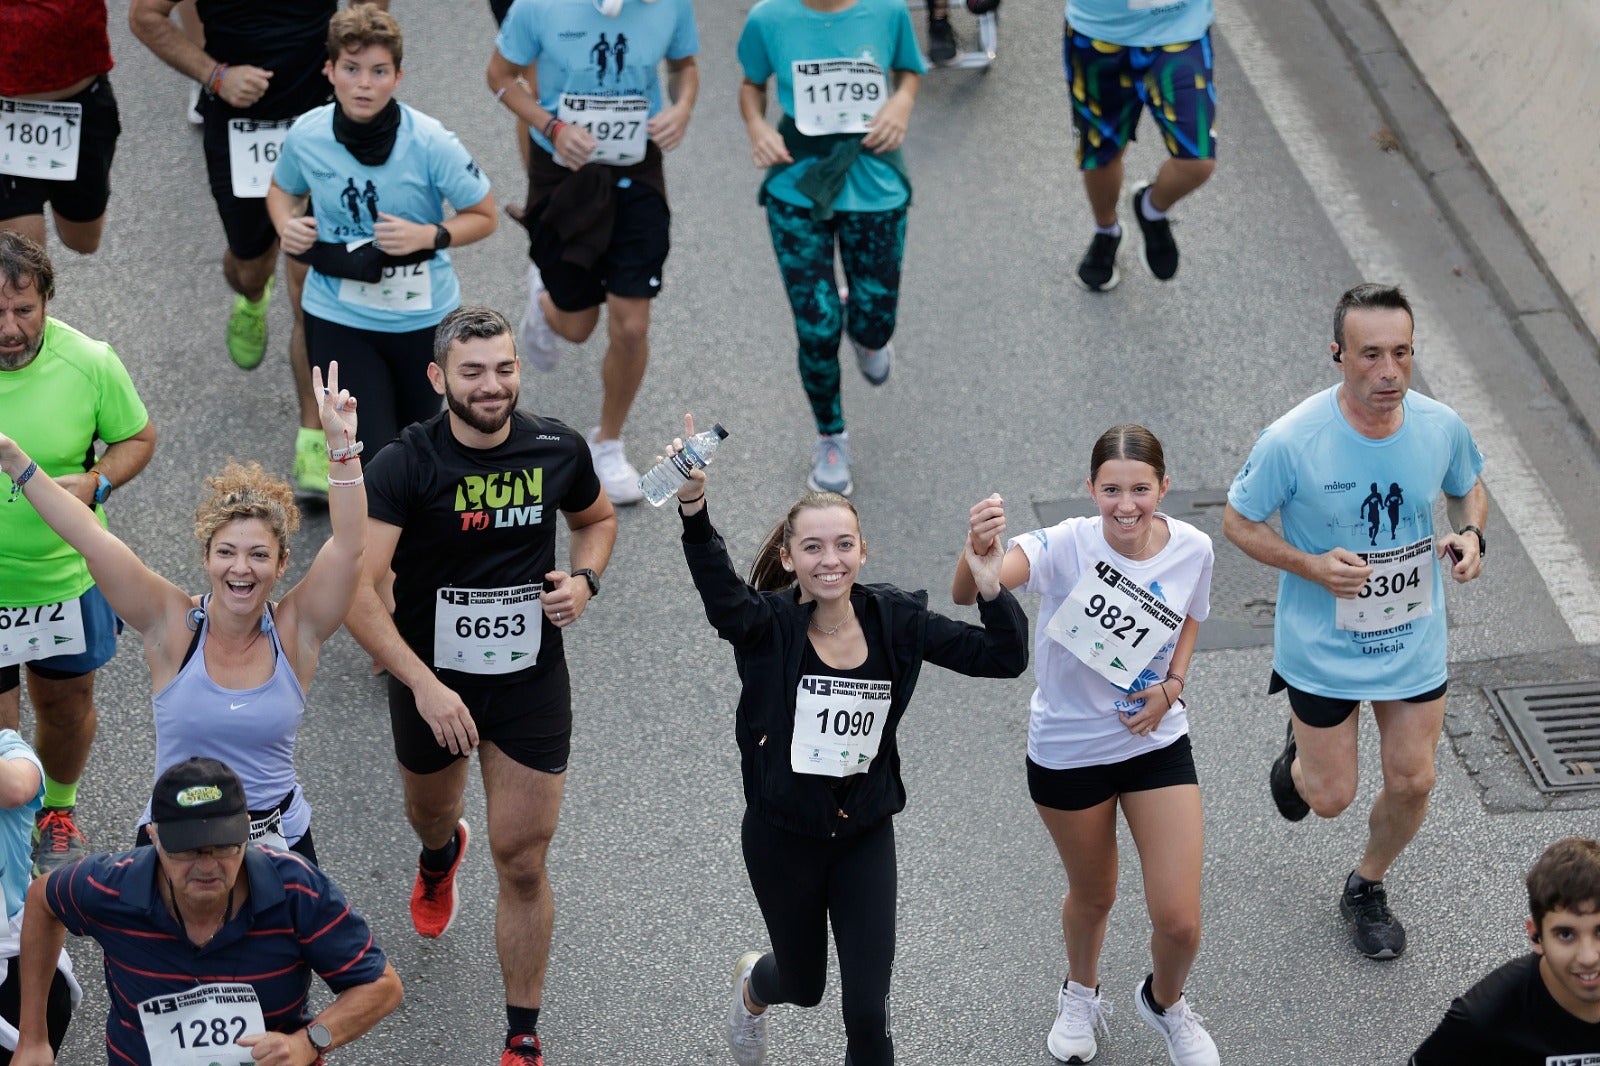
(1113, 619)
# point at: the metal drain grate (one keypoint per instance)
(1556, 730)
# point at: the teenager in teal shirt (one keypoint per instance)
(847, 73)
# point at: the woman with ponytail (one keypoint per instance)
(829, 666)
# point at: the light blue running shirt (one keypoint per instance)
(780, 33)
(1141, 23)
(1321, 476)
(16, 828)
(579, 50)
(427, 167)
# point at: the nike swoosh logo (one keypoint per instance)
(236, 706)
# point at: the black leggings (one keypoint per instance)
(387, 373)
(801, 884)
(57, 1011)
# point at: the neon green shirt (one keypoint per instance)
(75, 390)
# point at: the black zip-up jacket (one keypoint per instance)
(768, 634)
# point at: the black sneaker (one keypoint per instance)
(1374, 929)
(1284, 794)
(1098, 270)
(1160, 250)
(942, 46)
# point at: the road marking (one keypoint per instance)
(1508, 475)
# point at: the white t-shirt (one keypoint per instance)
(1076, 715)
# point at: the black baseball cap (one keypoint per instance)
(199, 803)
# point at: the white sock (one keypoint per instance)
(1113, 230)
(1148, 209)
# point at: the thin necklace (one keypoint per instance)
(827, 632)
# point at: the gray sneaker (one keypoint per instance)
(875, 363)
(830, 464)
(747, 1033)
(57, 841)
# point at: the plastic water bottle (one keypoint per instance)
(663, 479)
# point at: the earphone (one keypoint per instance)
(1336, 356)
(612, 8)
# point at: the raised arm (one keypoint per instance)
(986, 523)
(141, 596)
(317, 606)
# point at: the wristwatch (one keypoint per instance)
(1483, 545)
(103, 491)
(321, 1039)
(441, 236)
(591, 577)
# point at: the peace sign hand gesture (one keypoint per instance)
(336, 406)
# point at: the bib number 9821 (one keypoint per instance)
(1113, 620)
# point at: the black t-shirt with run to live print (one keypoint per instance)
(476, 519)
(287, 37)
(1510, 1019)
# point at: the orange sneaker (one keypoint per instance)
(522, 1050)
(433, 898)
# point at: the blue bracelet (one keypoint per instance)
(18, 482)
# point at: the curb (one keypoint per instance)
(1542, 314)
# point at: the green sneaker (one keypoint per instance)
(311, 465)
(247, 329)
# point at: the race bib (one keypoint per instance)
(617, 124)
(39, 138)
(41, 632)
(199, 1026)
(1112, 625)
(1400, 590)
(402, 288)
(837, 95)
(253, 147)
(268, 831)
(838, 725)
(487, 631)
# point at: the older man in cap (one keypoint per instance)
(209, 944)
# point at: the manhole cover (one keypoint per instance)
(1556, 730)
(1244, 594)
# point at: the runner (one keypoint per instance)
(216, 939)
(374, 307)
(1544, 1008)
(229, 670)
(1124, 593)
(835, 178)
(1353, 626)
(597, 211)
(60, 391)
(21, 793)
(1122, 57)
(463, 508)
(813, 646)
(262, 66)
(61, 123)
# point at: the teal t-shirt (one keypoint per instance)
(579, 50)
(16, 828)
(427, 166)
(781, 33)
(1141, 23)
(1334, 488)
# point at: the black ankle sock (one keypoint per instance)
(442, 859)
(1149, 1000)
(521, 1021)
(1356, 883)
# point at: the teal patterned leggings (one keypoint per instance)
(871, 245)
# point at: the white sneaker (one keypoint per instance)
(539, 342)
(747, 1033)
(1188, 1044)
(192, 110)
(1078, 1011)
(617, 475)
